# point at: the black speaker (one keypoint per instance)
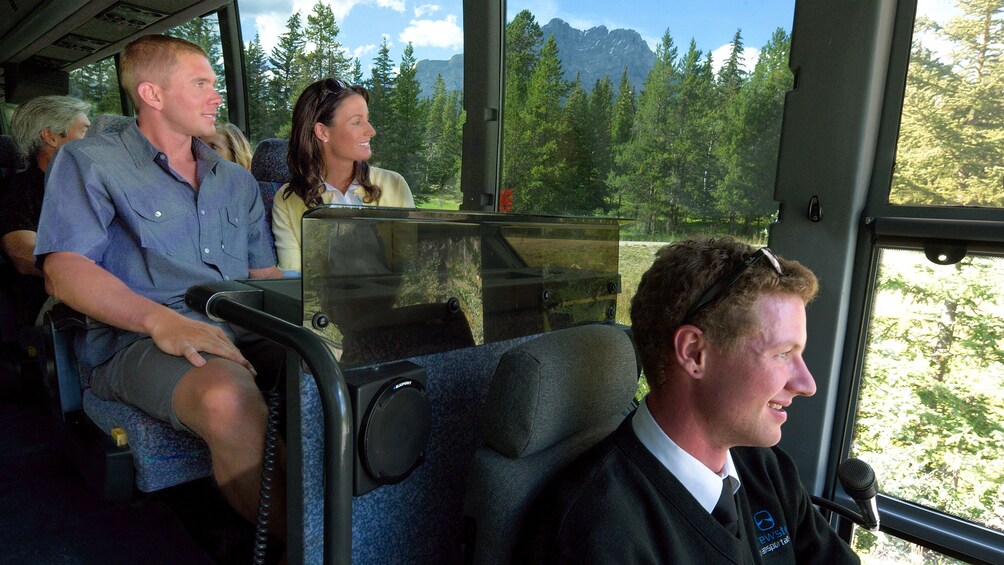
(393, 418)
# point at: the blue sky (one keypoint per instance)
(435, 26)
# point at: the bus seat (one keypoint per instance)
(108, 123)
(268, 166)
(161, 456)
(422, 515)
(10, 157)
(10, 163)
(549, 400)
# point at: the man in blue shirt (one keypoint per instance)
(129, 222)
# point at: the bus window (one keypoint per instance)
(878, 548)
(949, 151)
(930, 412)
(98, 84)
(410, 58)
(674, 122)
(669, 120)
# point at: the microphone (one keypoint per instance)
(858, 480)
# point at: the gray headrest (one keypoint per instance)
(108, 123)
(557, 385)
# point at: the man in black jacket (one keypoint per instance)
(694, 475)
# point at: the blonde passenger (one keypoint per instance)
(230, 143)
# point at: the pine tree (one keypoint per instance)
(951, 142)
(732, 74)
(260, 105)
(621, 124)
(356, 74)
(380, 86)
(406, 131)
(647, 175)
(547, 187)
(624, 109)
(442, 144)
(325, 56)
(601, 127)
(691, 112)
(580, 192)
(284, 73)
(97, 84)
(523, 37)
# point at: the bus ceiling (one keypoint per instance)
(43, 40)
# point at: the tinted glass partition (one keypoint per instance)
(384, 284)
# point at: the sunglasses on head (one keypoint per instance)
(725, 283)
(332, 86)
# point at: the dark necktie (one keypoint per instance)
(725, 511)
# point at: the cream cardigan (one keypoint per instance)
(287, 213)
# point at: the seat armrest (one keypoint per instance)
(65, 318)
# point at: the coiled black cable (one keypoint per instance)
(267, 470)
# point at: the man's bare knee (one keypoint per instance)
(220, 400)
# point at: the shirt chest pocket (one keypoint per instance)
(234, 224)
(162, 225)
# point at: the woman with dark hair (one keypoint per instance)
(328, 150)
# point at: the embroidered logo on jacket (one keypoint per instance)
(771, 535)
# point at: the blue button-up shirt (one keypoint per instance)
(115, 199)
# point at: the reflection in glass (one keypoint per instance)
(931, 406)
(399, 283)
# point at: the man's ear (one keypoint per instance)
(690, 347)
(151, 95)
(49, 137)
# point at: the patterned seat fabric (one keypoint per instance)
(423, 515)
(268, 166)
(163, 457)
(108, 123)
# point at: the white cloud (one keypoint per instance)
(720, 55)
(272, 23)
(270, 27)
(396, 5)
(443, 33)
(358, 52)
(426, 9)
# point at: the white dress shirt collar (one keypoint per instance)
(703, 483)
(332, 195)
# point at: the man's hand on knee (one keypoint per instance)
(177, 335)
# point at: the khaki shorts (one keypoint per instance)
(144, 376)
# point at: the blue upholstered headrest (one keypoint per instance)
(269, 161)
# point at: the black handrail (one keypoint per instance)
(335, 405)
